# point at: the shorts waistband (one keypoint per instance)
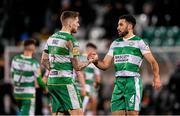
(125, 76)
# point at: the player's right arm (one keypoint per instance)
(102, 64)
(106, 62)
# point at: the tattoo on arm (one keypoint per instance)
(45, 60)
(46, 64)
(84, 64)
(78, 65)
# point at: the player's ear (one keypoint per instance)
(129, 27)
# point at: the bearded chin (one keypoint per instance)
(123, 34)
(74, 31)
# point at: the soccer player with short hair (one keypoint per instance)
(93, 80)
(127, 52)
(25, 71)
(60, 56)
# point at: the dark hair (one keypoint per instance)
(68, 14)
(129, 19)
(29, 42)
(91, 45)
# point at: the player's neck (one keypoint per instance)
(66, 29)
(129, 35)
(27, 54)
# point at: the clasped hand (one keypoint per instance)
(92, 57)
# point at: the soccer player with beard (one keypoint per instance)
(127, 52)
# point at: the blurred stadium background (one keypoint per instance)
(158, 23)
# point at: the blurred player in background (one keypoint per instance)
(60, 57)
(25, 71)
(80, 82)
(127, 54)
(45, 79)
(93, 79)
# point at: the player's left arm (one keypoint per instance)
(38, 74)
(39, 79)
(145, 50)
(75, 53)
(45, 76)
(155, 67)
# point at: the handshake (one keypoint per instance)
(93, 57)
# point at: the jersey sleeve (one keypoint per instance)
(12, 66)
(97, 71)
(36, 66)
(110, 52)
(75, 48)
(46, 74)
(46, 47)
(144, 47)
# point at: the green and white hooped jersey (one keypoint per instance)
(90, 71)
(24, 72)
(128, 55)
(60, 58)
(90, 77)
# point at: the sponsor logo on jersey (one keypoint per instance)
(55, 41)
(121, 58)
(19, 89)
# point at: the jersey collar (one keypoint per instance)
(65, 32)
(128, 38)
(25, 56)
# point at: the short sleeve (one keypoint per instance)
(46, 74)
(75, 48)
(97, 71)
(36, 66)
(144, 47)
(110, 52)
(46, 46)
(12, 66)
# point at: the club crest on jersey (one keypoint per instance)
(131, 43)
